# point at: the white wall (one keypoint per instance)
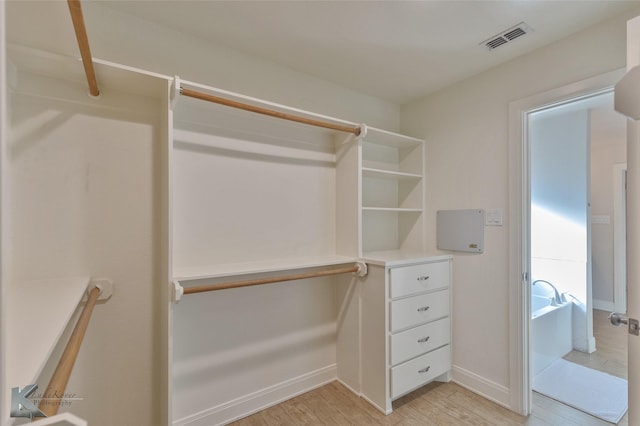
(466, 127)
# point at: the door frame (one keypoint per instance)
(620, 238)
(519, 225)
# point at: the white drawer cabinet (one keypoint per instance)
(406, 326)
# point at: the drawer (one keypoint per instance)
(419, 371)
(419, 278)
(419, 309)
(419, 340)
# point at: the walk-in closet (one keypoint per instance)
(253, 250)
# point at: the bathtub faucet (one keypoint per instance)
(557, 298)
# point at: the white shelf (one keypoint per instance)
(37, 314)
(110, 75)
(384, 137)
(390, 209)
(402, 257)
(389, 174)
(193, 273)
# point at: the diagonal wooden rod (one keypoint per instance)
(53, 396)
(259, 281)
(266, 111)
(75, 8)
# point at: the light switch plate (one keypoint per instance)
(493, 217)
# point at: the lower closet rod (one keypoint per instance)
(235, 104)
(222, 286)
(52, 397)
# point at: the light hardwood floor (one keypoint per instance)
(449, 403)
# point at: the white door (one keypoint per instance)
(633, 268)
(633, 211)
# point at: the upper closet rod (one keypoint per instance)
(75, 8)
(360, 268)
(235, 104)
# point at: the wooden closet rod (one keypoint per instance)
(53, 396)
(75, 8)
(235, 104)
(259, 281)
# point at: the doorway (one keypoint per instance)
(574, 150)
(519, 222)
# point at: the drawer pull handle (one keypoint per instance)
(423, 340)
(423, 309)
(424, 370)
(423, 278)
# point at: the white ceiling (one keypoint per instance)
(394, 50)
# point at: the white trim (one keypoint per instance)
(260, 400)
(376, 406)
(519, 218)
(519, 307)
(481, 386)
(619, 239)
(5, 401)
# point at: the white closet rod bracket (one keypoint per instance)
(175, 92)
(105, 286)
(361, 133)
(362, 267)
(177, 291)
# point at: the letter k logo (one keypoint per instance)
(21, 406)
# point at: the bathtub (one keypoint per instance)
(551, 335)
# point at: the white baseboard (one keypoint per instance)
(249, 404)
(603, 305)
(483, 387)
(356, 392)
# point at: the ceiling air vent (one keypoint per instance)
(506, 36)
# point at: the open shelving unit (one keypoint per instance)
(392, 176)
